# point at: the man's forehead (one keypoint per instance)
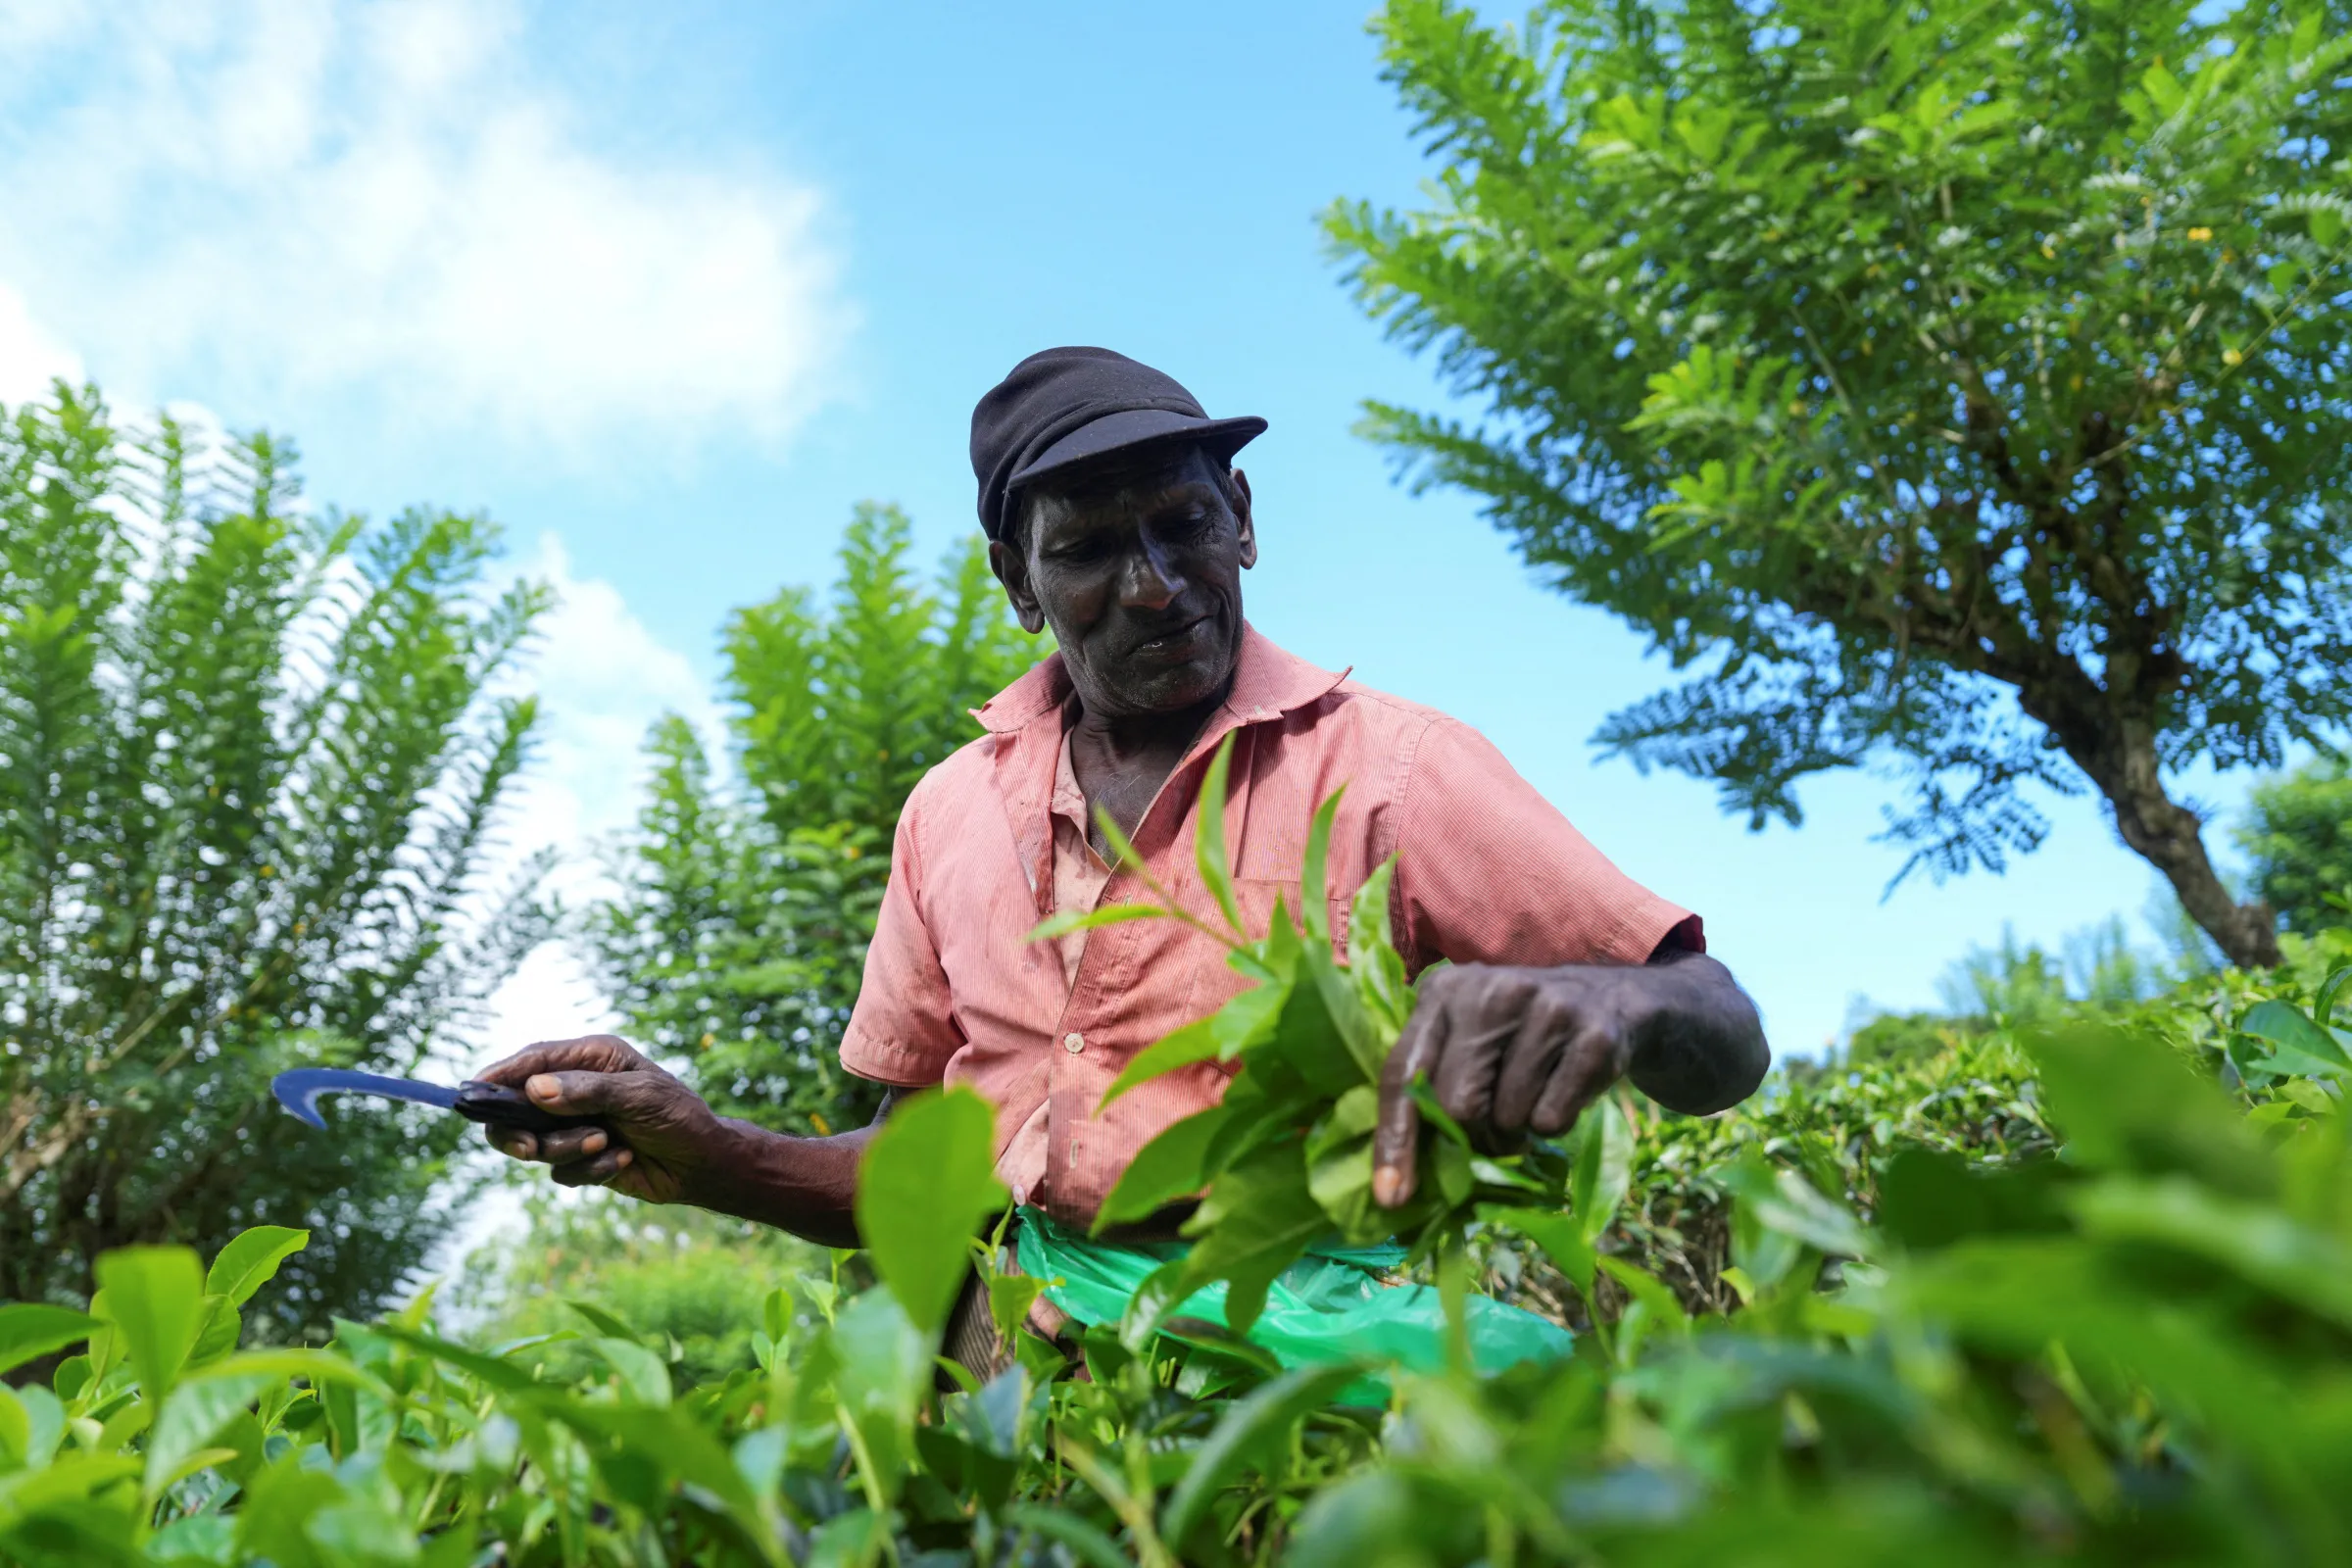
(1106, 483)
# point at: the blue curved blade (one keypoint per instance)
(299, 1091)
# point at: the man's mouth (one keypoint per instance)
(1176, 641)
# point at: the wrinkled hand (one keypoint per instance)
(1507, 1052)
(662, 1138)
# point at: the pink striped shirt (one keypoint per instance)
(1487, 871)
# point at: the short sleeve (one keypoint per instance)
(903, 1030)
(1488, 872)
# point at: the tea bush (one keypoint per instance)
(1948, 1347)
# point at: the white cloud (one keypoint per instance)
(29, 355)
(258, 201)
(601, 679)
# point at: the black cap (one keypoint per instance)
(1063, 407)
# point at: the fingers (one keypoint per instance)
(1535, 1049)
(592, 1172)
(564, 1146)
(597, 1093)
(1583, 1073)
(1399, 1126)
(589, 1053)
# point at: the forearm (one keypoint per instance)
(1701, 1047)
(808, 1186)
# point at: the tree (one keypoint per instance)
(738, 940)
(249, 766)
(1961, 387)
(2298, 833)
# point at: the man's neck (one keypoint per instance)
(1121, 761)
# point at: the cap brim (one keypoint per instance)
(1139, 427)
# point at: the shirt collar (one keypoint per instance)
(1267, 682)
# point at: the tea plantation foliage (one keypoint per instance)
(2082, 1296)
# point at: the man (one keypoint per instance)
(1115, 516)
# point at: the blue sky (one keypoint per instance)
(666, 289)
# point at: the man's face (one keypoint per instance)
(1137, 570)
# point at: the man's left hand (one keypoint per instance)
(1512, 1051)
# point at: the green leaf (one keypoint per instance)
(193, 1416)
(1157, 1295)
(1084, 1541)
(2323, 1006)
(926, 1182)
(1170, 1166)
(1253, 1434)
(1366, 1040)
(1561, 1237)
(30, 1329)
(1784, 1203)
(249, 1261)
(155, 1296)
(1009, 1298)
(1054, 926)
(1651, 1292)
(2293, 1036)
(1601, 1145)
(495, 1370)
(644, 1380)
(606, 1323)
(1209, 836)
(16, 1431)
(881, 1379)
(1258, 1220)
(2257, 1243)
(1198, 1041)
(1314, 896)
(1122, 852)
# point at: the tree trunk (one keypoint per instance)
(2120, 759)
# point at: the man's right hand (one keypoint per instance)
(664, 1141)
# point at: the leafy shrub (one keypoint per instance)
(251, 764)
(687, 1282)
(1948, 1350)
(738, 940)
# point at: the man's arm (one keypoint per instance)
(665, 1145)
(1509, 1051)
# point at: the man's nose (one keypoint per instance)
(1151, 580)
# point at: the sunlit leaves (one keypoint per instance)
(255, 754)
(1962, 388)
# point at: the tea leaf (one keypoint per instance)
(926, 1182)
(1172, 1166)
(1314, 894)
(1209, 836)
(249, 1261)
(30, 1329)
(1255, 1432)
(2295, 1038)
(1195, 1042)
(155, 1296)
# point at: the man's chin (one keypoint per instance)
(1169, 688)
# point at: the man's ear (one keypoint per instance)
(1244, 523)
(1011, 567)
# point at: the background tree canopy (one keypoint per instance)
(2298, 831)
(249, 766)
(1962, 387)
(739, 938)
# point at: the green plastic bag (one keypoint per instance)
(1331, 1306)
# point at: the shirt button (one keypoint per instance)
(1073, 1042)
